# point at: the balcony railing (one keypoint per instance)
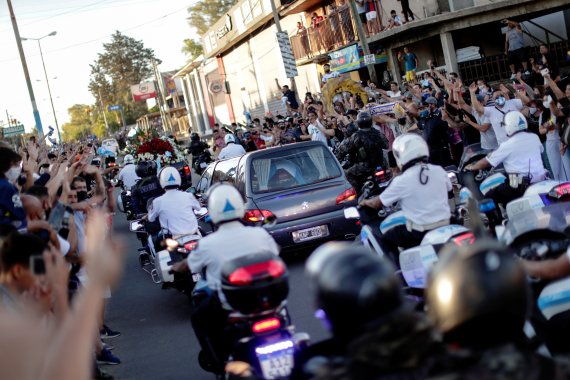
(495, 68)
(334, 32)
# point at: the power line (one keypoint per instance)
(102, 37)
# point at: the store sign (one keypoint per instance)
(287, 54)
(216, 86)
(143, 91)
(226, 28)
(13, 131)
(345, 60)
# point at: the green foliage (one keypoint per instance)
(80, 125)
(205, 13)
(124, 62)
(192, 49)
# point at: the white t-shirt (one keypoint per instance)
(488, 138)
(497, 115)
(175, 209)
(421, 204)
(520, 154)
(129, 176)
(392, 94)
(232, 240)
(231, 150)
(332, 74)
(316, 134)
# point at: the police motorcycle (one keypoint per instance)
(414, 263)
(162, 250)
(540, 233)
(201, 162)
(258, 330)
(124, 201)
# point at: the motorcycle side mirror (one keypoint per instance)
(192, 190)
(351, 213)
(137, 226)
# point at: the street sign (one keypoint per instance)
(287, 54)
(115, 107)
(369, 59)
(13, 131)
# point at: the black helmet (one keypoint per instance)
(146, 168)
(353, 287)
(194, 137)
(478, 295)
(364, 120)
(350, 129)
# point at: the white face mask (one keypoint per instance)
(13, 173)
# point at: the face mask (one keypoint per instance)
(546, 104)
(532, 110)
(424, 113)
(481, 88)
(81, 196)
(402, 121)
(500, 101)
(13, 173)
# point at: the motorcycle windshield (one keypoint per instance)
(554, 217)
(470, 151)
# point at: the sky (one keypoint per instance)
(82, 27)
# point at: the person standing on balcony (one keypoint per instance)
(335, 32)
(410, 62)
(302, 33)
(317, 28)
(345, 21)
(373, 17)
(360, 7)
(514, 47)
(406, 11)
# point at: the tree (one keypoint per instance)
(124, 62)
(192, 49)
(80, 123)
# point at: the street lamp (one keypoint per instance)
(47, 81)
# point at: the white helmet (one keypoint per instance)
(409, 147)
(229, 138)
(129, 159)
(514, 122)
(225, 203)
(169, 177)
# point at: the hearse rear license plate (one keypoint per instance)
(310, 233)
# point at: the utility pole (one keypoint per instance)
(160, 98)
(26, 73)
(102, 105)
(362, 38)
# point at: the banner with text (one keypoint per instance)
(143, 91)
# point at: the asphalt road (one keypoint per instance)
(157, 340)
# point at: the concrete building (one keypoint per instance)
(235, 79)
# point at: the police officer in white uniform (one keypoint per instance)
(230, 241)
(232, 149)
(521, 155)
(422, 190)
(175, 208)
(128, 173)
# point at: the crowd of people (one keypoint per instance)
(58, 260)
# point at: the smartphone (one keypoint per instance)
(37, 265)
(56, 216)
